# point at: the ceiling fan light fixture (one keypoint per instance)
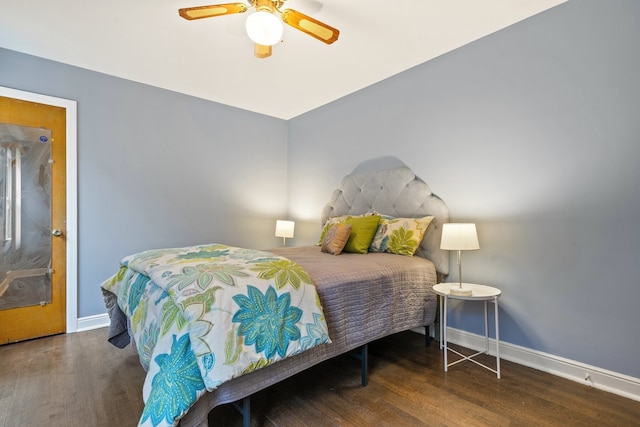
(264, 28)
(266, 25)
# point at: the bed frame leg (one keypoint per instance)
(364, 363)
(427, 336)
(244, 407)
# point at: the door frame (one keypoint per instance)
(72, 193)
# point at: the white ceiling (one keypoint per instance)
(146, 41)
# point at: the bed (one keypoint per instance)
(364, 296)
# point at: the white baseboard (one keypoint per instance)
(93, 322)
(599, 378)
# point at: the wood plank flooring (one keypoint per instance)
(81, 380)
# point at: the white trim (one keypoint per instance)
(72, 193)
(93, 322)
(602, 379)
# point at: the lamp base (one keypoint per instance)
(460, 291)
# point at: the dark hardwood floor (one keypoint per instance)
(81, 380)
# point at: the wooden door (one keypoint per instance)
(46, 317)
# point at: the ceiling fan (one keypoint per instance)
(263, 26)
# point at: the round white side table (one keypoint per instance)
(478, 293)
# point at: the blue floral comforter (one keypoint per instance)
(203, 315)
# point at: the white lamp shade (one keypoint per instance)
(285, 228)
(264, 28)
(459, 237)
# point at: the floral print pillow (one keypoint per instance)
(400, 236)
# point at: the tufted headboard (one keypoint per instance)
(396, 192)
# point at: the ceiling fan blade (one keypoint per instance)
(200, 12)
(261, 51)
(313, 27)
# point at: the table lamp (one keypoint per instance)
(459, 237)
(284, 229)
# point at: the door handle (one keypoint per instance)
(56, 232)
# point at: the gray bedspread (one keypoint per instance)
(364, 297)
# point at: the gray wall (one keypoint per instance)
(532, 133)
(159, 169)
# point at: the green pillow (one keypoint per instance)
(362, 231)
